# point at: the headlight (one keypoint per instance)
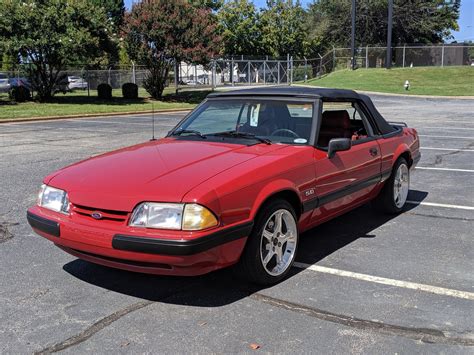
(53, 199)
(157, 215)
(172, 216)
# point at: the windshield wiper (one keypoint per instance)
(190, 131)
(237, 134)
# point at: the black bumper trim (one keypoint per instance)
(45, 225)
(180, 247)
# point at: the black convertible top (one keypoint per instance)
(295, 91)
(314, 93)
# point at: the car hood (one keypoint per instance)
(162, 171)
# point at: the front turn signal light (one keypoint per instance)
(197, 217)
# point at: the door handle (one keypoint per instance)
(373, 151)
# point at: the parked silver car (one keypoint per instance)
(76, 82)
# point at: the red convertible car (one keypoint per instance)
(234, 183)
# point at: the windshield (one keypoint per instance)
(276, 121)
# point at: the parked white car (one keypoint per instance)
(76, 82)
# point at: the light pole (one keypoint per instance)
(353, 34)
(388, 61)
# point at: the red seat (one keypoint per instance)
(334, 124)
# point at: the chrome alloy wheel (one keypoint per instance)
(401, 185)
(278, 242)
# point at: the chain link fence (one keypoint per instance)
(405, 56)
(73, 79)
(236, 72)
(245, 71)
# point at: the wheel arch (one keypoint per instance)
(403, 152)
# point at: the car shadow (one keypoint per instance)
(221, 287)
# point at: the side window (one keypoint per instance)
(360, 124)
(343, 120)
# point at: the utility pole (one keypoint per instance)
(353, 59)
(388, 61)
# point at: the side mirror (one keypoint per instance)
(337, 145)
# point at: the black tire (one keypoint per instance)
(385, 201)
(250, 266)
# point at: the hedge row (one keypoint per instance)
(104, 92)
(129, 91)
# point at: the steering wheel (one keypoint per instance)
(284, 130)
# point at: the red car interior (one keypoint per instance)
(334, 124)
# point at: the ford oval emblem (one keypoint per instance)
(96, 215)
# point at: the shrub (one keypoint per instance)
(299, 73)
(130, 91)
(19, 94)
(104, 91)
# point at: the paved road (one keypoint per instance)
(357, 287)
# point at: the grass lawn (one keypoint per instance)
(78, 102)
(448, 81)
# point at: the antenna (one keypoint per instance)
(153, 122)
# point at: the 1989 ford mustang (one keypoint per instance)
(235, 182)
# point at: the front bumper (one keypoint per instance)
(43, 224)
(190, 254)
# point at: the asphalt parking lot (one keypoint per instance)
(364, 283)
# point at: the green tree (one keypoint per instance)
(414, 21)
(115, 11)
(162, 32)
(425, 21)
(283, 28)
(208, 4)
(124, 59)
(49, 34)
(239, 24)
(9, 62)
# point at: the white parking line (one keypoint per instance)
(449, 128)
(444, 121)
(447, 149)
(453, 137)
(112, 122)
(444, 169)
(442, 205)
(385, 281)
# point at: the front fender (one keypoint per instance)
(271, 188)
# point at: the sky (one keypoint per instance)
(466, 19)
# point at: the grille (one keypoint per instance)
(107, 215)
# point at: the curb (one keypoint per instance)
(398, 95)
(417, 96)
(92, 115)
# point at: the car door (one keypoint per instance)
(349, 177)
